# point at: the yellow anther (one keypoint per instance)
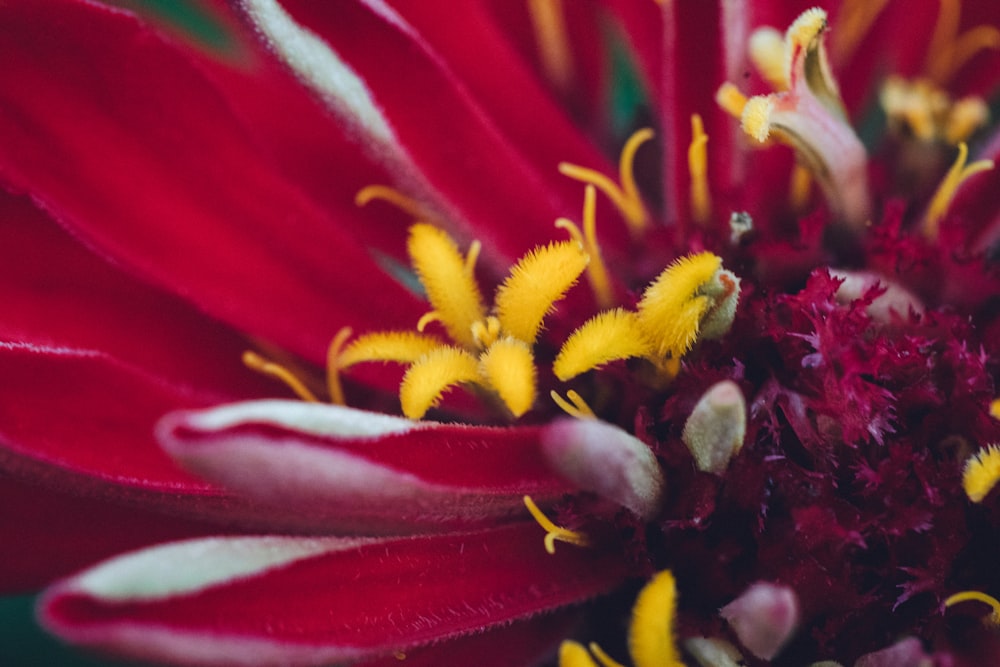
(995, 408)
(854, 21)
(672, 308)
(333, 366)
(549, 23)
(701, 204)
(398, 346)
(254, 361)
(508, 367)
(554, 533)
(800, 187)
(625, 196)
(450, 288)
(606, 337)
(965, 596)
(948, 50)
(536, 282)
(756, 117)
(730, 99)
(767, 51)
(965, 117)
(433, 374)
(393, 196)
(597, 272)
(651, 633)
(575, 406)
(929, 112)
(942, 199)
(982, 472)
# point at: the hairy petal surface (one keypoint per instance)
(356, 470)
(298, 601)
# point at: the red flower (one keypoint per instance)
(778, 365)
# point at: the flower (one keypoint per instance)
(758, 380)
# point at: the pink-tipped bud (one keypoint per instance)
(715, 430)
(763, 618)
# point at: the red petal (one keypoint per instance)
(487, 178)
(296, 601)
(123, 140)
(49, 533)
(362, 471)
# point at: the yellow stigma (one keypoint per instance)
(553, 532)
(255, 362)
(995, 408)
(651, 634)
(597, 272)
(945, 193)
(701, 205)
(549, 23)
(333, 366)
(965, 596)
(731, 99)
(929, 113)
(536, 282)
(948, 50)
(625, 196)
(509, 369)
(575, 406)
(693, 297)
(433, 374)
(982, 471)
(392, 196)
(572, 654)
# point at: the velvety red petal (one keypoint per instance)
(51, 533)
(292, 601)
(365, 472)
(508, 194)
(123, 140)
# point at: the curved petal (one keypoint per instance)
(275, 600)
(462, 156)
(112, 140)
(358, 470)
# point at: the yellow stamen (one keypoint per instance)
(800, 187)
(549, 23)
(995, 408)
(486, 332)
(433, 374)
(602, 657)
(767, 51)
(606, 337)
(928, 111)
(626, 195)
(651, 634)
(948, 50)
(509, 368)
(982, 472)
(730, 99)
(854, 20)
(399, 346)
(672, 307)
(393, 196)
(597, 272)
(575, 406)
(965, 596)
(428, 318)
(536, 282)
(552, 531)
(333, 366)
(572, 654)
(942, 199)
(701, 205)
(257, 363)
(452, 291)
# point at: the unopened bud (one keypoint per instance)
(763, 618)
(715, 430)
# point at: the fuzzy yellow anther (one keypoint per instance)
(982, 472)
(554, 533)
(651, 634)
(433, 374)
(945, 193)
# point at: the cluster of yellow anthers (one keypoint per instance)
(651, 632)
